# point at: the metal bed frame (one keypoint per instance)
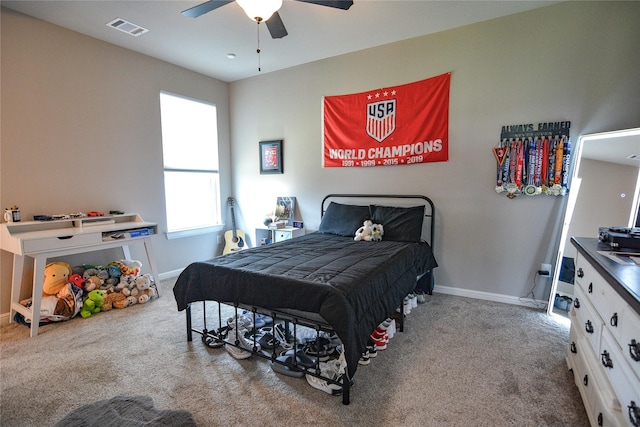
(219, 336)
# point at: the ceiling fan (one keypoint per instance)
(263, 10)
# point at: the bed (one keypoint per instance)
(324, 280)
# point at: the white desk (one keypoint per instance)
(42, 240)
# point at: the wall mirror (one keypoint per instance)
(605, 192)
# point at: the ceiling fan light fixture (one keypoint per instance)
(260, 10)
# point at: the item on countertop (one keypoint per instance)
(12, 214)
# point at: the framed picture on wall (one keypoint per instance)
(271, 157)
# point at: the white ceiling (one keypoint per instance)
(315, 32)
(614, 147)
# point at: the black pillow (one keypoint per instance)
(343, 220)
(400, 224)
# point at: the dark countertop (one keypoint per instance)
(625, 279)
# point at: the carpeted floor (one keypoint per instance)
(460, 362)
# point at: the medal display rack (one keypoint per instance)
(533, 162)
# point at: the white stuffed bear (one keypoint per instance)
(145, 291)
(127, 285)
(377, 231)
(364, 232)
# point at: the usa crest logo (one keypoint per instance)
(381, 119)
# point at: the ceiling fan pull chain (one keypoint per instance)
(258, 49)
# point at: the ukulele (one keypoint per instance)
(234, 240)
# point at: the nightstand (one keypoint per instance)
(266, 235)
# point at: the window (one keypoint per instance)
(191, 176)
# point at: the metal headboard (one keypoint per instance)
(429, 213)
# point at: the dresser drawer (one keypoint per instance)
(585, 273)
(622, 379)
(574, 350)
(595, 287)
(587, 319)
(599, 400)
(63, 242)
(630, 339)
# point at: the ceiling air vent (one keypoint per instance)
(127, 27)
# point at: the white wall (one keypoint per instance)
(81, 131)
(575, 61)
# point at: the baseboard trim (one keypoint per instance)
(170, 274)
(448, 290)
(489, 296)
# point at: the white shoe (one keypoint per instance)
(245, 346)
(389, 325)
(406, 306)
(242, 321)
(332, 369)
(414, 300)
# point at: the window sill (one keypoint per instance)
(193, 232)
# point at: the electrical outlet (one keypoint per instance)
(545, 270)
(219, 238)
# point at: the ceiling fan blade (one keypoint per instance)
(205, 7)
(276, 26)
(338, 4)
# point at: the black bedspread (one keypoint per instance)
(352, 285)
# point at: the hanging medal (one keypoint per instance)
(500, 153)
(551, 167)
(545, 165)
(566, 164)
(557, 170)
(538, 165)
(505, 167)
(530, 188)
(512, 188)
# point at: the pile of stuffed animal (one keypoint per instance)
(90, 289)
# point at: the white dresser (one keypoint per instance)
(42, 240)
(604, 343)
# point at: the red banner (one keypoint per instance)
(392, 126)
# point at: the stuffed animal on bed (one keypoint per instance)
(369, 232)
(377, 231)
(364, 232)
(56, 276)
